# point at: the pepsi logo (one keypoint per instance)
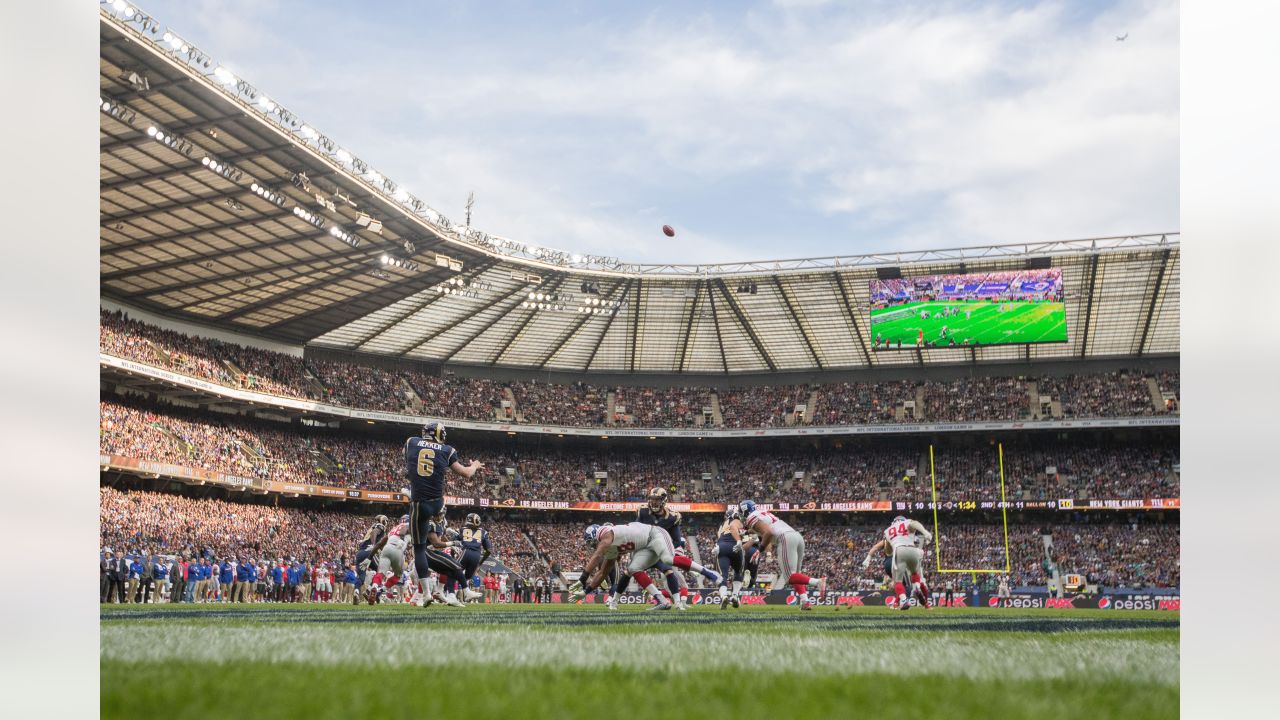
(993, 602)
(1104, 603)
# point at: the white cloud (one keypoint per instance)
(903, 126)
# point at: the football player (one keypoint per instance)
(430, 555)
(475, 546)
(427, 460)
(390, 560)
(789, 551)
(908, 559)
(657, 513)
(649, 546)
(367, 554)
(729, 555)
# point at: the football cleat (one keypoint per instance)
(469, 594)
(453, 600)
(734, 601)
(806, 605)
(663, 604)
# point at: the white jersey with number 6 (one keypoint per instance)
(777, 526)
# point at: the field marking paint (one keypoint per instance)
(955, 655)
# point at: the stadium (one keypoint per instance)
(277, 318)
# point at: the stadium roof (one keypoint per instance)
(218, 206)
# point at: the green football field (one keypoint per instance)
(1022, 322)
(568, 661)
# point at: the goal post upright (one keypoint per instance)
(1004, 516)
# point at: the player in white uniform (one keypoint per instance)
(788, 545)
(649, 546)
(908, 559)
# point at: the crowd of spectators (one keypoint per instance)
(1111, 394)
(464, 398)
(1119, 393)
(1110, 554)
(1109, 551)
(888, 473)
(663, 407)
(862, 403)
(259, 448)
(760, 405)
(364, 387)
(144, 524)
(576, 404)
(976, 399)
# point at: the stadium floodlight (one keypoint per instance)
(401, 195)
(151, 131)
(226, 77)
(342, 156)
(119, 5)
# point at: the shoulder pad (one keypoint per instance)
(675, 516)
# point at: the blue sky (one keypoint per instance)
(766, 130)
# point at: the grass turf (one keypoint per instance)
(573, 661)
(1024, 322)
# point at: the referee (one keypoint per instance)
(426, 458)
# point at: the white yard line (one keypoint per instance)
(1024, 658)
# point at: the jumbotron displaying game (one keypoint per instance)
(1001, 308)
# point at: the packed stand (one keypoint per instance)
(863, 403)
(462, 398)
(1108, 554)
(1114, 394)
(889, 473)
(578, 404)
(363, 387)
(760, 406)
(286, 554)
(976, 400)
(663, 407)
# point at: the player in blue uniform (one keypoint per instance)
(731, 546)
(430, 555)
(367, 553)
(751, 562)
(475, 546)
(427, 459)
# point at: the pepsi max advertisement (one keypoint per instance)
(883, 598)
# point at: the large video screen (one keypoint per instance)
(1003, 308)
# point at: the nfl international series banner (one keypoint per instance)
(338, 411)
(881, 598)
(199, 476)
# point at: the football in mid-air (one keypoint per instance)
(668, 231)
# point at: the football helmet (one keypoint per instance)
(381, 520)
(732, 513)
(434, 431)
(404, 518)
(592, 534)
(473, 520)
(898, 520)
(657, 499)
(746, 507)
